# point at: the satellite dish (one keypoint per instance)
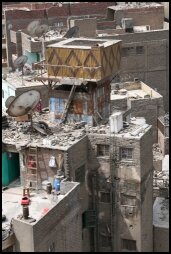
(24, 103)
(9, 26)
(40, 30)
(35, 29)
(32, 26)
(72, 32)
(4, 76)
(9, 101)
(20, 61)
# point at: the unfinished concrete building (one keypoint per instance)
(145, 48)
(140, 99)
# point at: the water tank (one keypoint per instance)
(116, 122)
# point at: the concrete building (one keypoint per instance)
(18, 17)
(89, 141)
(141, 100)
(118, 200)
(161, 224)
(144, 51)
(137, 14)
(49, 215)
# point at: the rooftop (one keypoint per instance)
(133, 90)
(41, 202)
(161, 213)
(15, 80)
(63, 136)
(165, 119)
(83, 43)
(134, 5)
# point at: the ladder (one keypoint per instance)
(64, 115)
(31, 177)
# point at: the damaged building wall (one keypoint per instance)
(135, 196)
(99, 161)
(84, 106)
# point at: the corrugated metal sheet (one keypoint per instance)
(78, 111)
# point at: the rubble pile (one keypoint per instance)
(157, 153)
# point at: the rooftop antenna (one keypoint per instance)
(72, 32)
(36, 29)
(23, 104)
(19, 63)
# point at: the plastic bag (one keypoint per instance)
(52, 162)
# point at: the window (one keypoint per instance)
(89, 219)
(105, 241)
(105, 197)
(2, 93)
(127, 51)
(129, 245)
(51, 247)
(126, 153)
(128, 200)
(140, 50)
(102, 150)
(80, 174)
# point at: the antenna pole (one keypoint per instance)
(43, 47)
(31, 121)
(22, 75)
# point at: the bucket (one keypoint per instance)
(49, 188)
(25, 212)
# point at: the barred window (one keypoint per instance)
(128, 245)
(102, 150)
(126, 153)
(128, 200)
(140, 50)
(105, 197)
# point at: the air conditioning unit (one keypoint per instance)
(127, 24)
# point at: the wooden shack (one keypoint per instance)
(89, 59)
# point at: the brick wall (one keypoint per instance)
(62, 226)
(152, 16)
(152, 67)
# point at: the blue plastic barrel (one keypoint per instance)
(56, 184)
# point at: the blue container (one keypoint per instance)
(57, 184)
